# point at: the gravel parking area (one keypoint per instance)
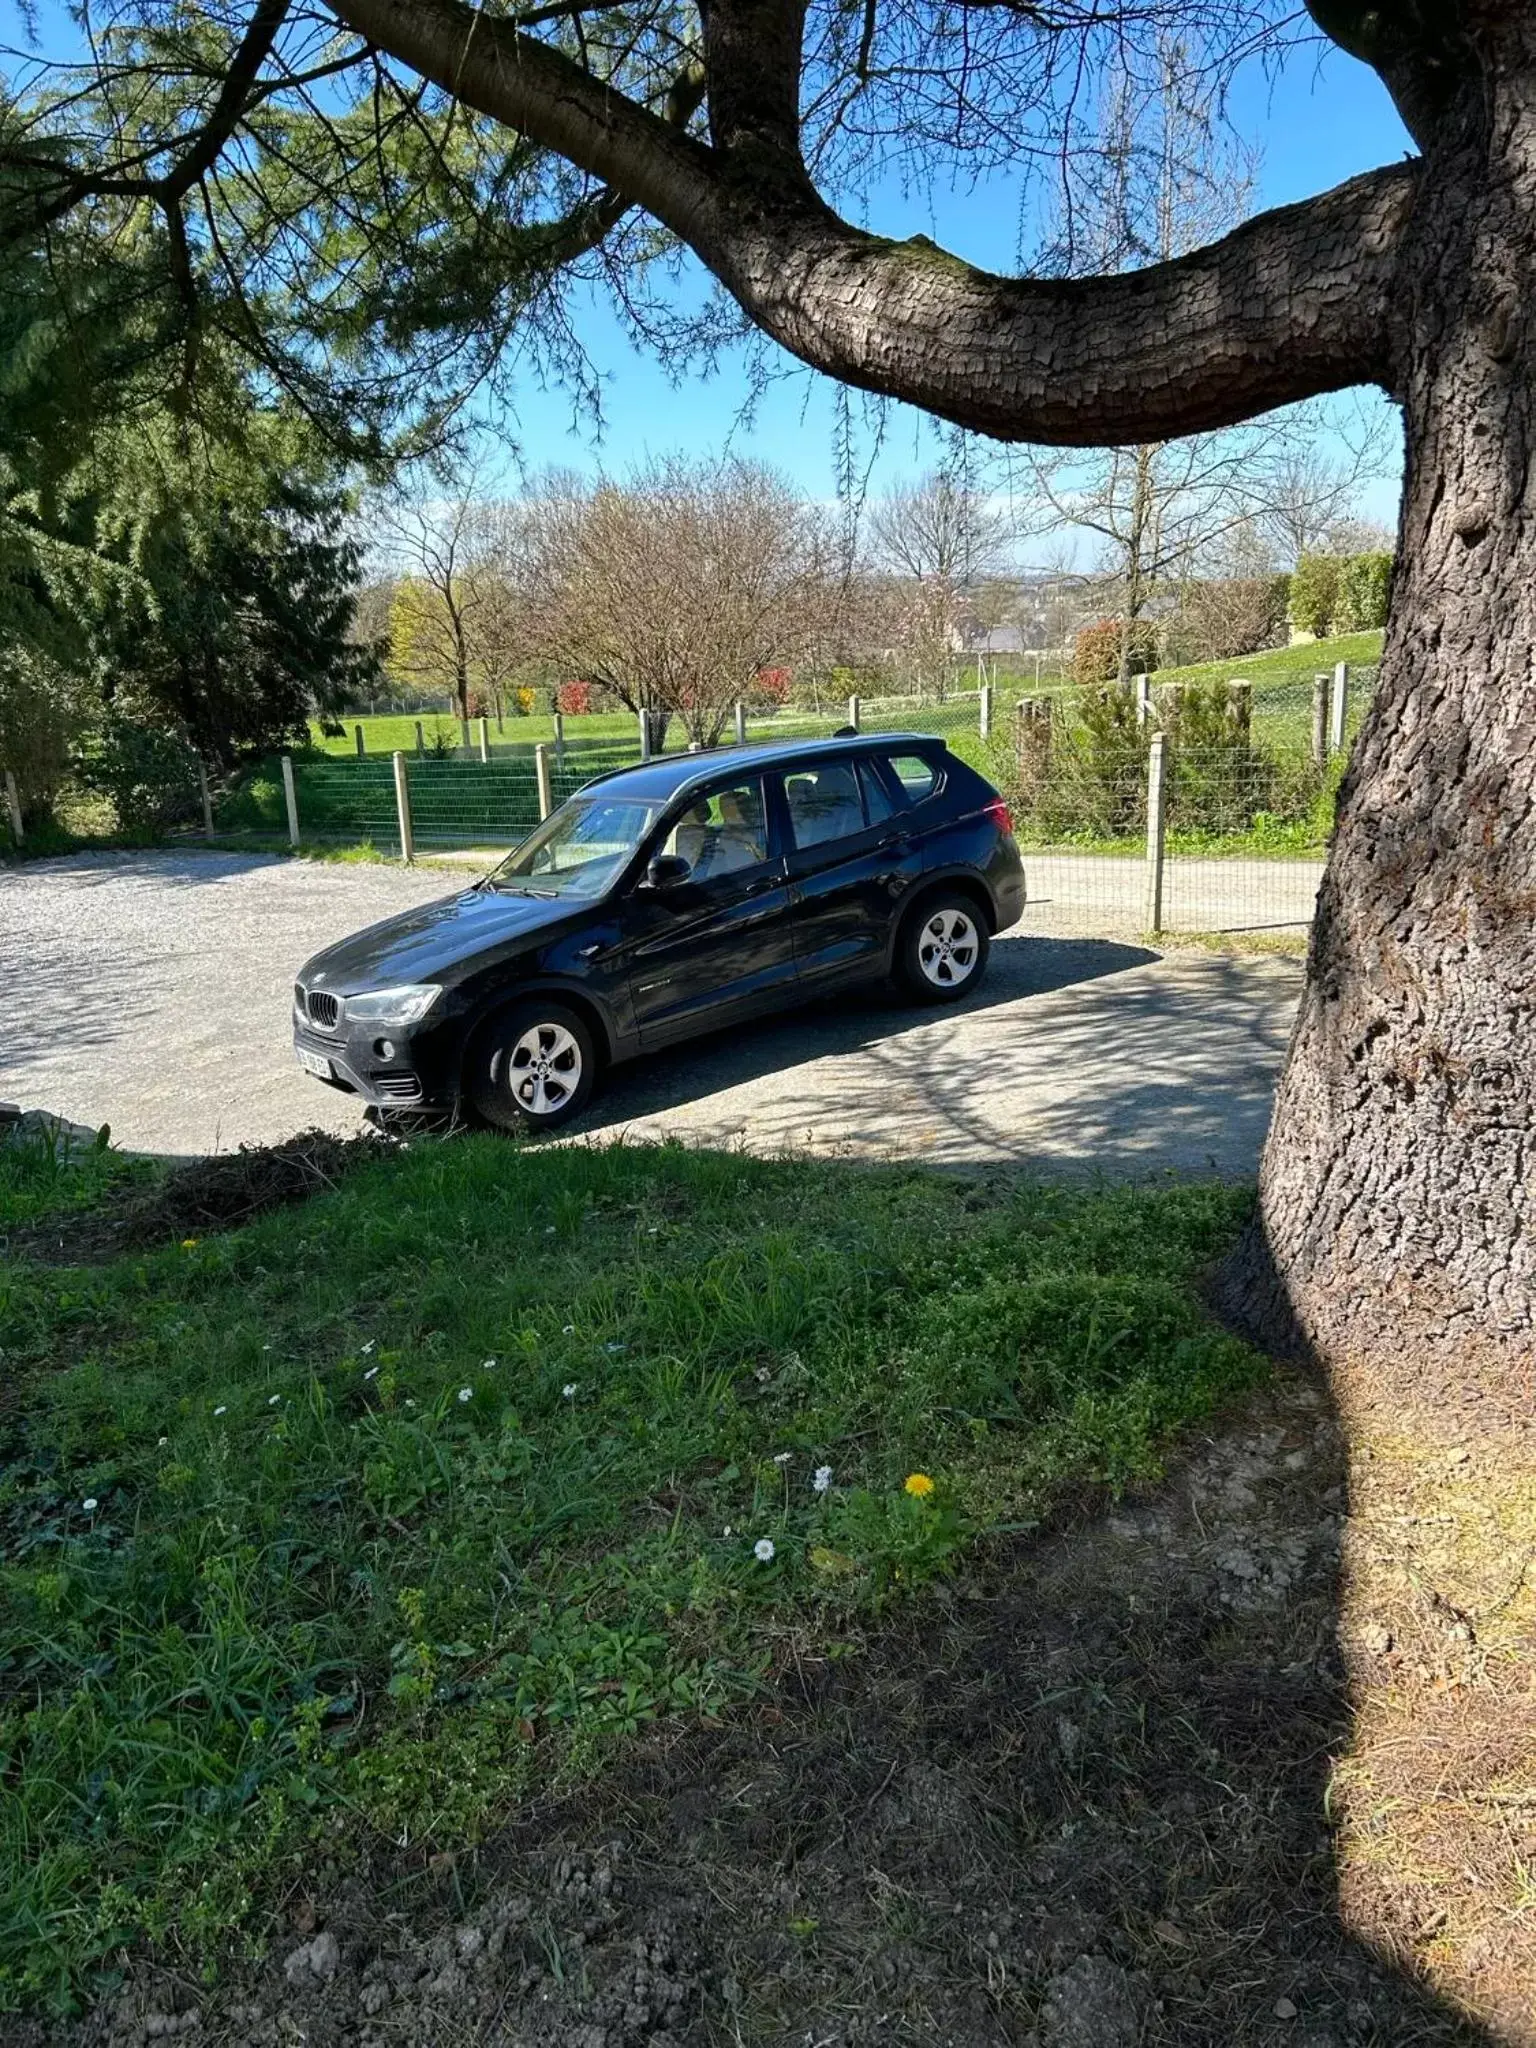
(151, 991)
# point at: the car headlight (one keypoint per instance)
(406, 1005)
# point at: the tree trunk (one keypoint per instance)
(1396, 1195)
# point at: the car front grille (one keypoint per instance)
(321, 1008)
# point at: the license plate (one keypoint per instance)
(314, 1063)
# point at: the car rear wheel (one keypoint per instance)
(944, 949)
(533, 1068)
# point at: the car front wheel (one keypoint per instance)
(533, 1069)
(944, 949)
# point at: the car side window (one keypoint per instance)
(878, 805)
(723, 832)
(916, 774)
(824, 803)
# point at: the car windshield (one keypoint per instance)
(578, 850)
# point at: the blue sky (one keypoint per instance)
(1321, 121)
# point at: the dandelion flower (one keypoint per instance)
(762, 1550)
(466, 1393)
(568, 1391)
(222, 1409)
(90, 1505)
(919, 1485)
(823, 1478)
(782, 1457)
(190, 1244)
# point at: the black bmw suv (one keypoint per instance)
(664, 901)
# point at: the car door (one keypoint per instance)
(719, 945)
(851, 862)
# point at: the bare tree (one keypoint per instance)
(677, 588)
(459, 595)
(945, 539)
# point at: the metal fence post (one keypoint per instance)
(986, 711)
(645, 733)
(13, 805)
(1156, 757)
(202, 790)
(541, 770)
(1339, 708)
(421, 741)
(1320, 720)
(741, 723)
(485, 741)
(290, 798)
(361, 744)
(853, 712)
(403, 809)
(1143, 695)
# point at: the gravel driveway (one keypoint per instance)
(151, 991)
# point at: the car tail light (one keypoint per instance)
(1000, 815)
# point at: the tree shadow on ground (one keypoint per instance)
(1074, 1798)
(1081, 1056)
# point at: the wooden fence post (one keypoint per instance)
(1156, 759)
(403, 810)
(421, 742)
(202, 790)
(1140, 686)
(1240, 709)
(485, 741)
(1320, 720)
(741, 723)
(560, 738)
(853, 712)
(361, 744)
(291, 799)
(1339, 708)
(541, 770)
(13, 805)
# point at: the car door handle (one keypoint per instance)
(899, 842)
(762, 885)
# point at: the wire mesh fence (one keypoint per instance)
(1225, 834)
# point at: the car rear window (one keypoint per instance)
(917, 775)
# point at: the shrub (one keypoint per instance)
(1220, 780)
(148, 775)
(1096, 653)
(1365, 589)
(523, 700)
(1315, 594)
(40, 709)
(574, 699)
(771, 688)
(1227, 617)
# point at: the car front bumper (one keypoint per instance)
(414, 1074)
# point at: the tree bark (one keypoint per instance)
(1396, 1194)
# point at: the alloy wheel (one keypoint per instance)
(948, 949)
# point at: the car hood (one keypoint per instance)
(420, 944)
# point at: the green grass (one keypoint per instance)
(42, 1176)
(388, 735)
(410, 1502)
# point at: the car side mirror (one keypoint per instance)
(667, 871)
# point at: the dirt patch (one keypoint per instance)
(197, 1200)
(1078, 1800)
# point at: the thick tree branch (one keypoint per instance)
(1294, 303)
